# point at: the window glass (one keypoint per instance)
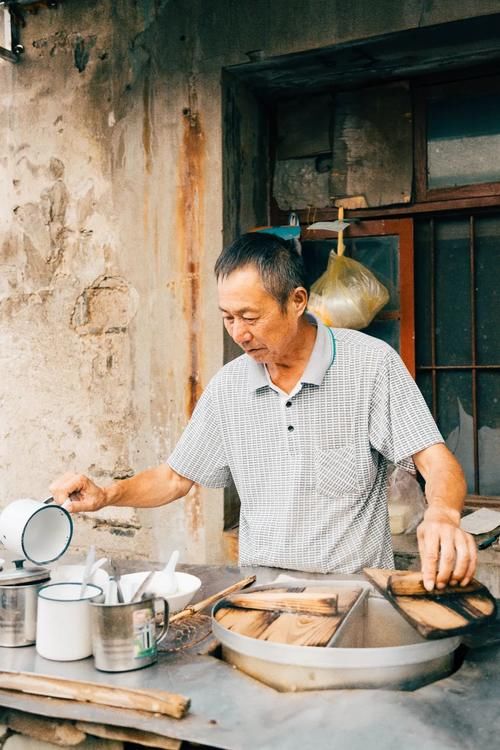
(381, 256)
(387, 330)
(463, 140)
(453, 295)
(487, 272)
(424, 382)
(489, 432)
(454, 418)
(423, 293)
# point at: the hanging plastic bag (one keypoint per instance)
(406, 502)
(347, 295)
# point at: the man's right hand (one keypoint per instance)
(80, 491)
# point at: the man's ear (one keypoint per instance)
(298, 299)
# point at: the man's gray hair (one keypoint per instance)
(277, 261)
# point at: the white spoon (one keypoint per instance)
(89, 564)
(98, 564)
(168, 579)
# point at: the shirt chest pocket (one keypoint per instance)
(337, 473)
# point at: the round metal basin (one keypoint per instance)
(376, 648)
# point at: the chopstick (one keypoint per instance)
(211, 599)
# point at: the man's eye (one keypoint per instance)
(226, 319)
(249, 320)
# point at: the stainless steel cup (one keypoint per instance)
(125, 636)
(18, 605)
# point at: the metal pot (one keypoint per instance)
(18, 604)
(375, 648)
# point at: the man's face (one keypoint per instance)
(254, 319)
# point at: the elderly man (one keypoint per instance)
(306, 422)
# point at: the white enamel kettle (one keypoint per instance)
(37, 531)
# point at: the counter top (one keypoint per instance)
(231, 710)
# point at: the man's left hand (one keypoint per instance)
(448, 554)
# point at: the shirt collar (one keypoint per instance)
(320, 360)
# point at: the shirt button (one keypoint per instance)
(288, 403)
(290, 428)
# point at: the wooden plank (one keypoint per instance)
(245, 622)
(154, 701)
(301, 629)
(406, 583)
(128, 734)
(47, 730)
(311, 603)
(279, 216)
(297, 628)
(436, 614)
(372, 145)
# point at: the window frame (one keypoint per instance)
(423, 95)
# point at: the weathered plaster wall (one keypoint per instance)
(111, 218)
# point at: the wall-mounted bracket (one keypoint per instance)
(11, 21)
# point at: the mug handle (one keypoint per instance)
(161, 635)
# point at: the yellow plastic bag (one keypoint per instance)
(347, 295)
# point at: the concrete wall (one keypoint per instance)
(111, 219)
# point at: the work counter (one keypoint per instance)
(232, 710)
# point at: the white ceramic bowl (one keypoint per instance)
(74, 574)
(187, 586)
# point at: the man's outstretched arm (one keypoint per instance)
(148, 489)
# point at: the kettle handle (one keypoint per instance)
(163, 632)
(51, 500)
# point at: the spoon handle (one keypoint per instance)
(87, 569)
(116, 577)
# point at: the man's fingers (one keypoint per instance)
(67, 485)
(471, 544)
(466, 556)
(76, 493)
(428, 543)
(447, 556)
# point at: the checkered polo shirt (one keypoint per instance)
(311, 468)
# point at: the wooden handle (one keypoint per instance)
(412, 584)
(340, 236)
(212, 599)
(154, 701)
(316, 604)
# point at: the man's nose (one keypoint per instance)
(241, 333)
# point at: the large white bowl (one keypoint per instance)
(187, 586)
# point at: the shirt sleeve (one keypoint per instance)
(400, 421)
(200, 455)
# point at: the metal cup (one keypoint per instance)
(125, 636)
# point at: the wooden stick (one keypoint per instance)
(154, 701)
(212, 599)
(340, 235)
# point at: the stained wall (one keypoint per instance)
(112, 215)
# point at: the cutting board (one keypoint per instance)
(307, 616)
(435, 614)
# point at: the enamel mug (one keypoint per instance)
(37, 531)
(63, 620)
